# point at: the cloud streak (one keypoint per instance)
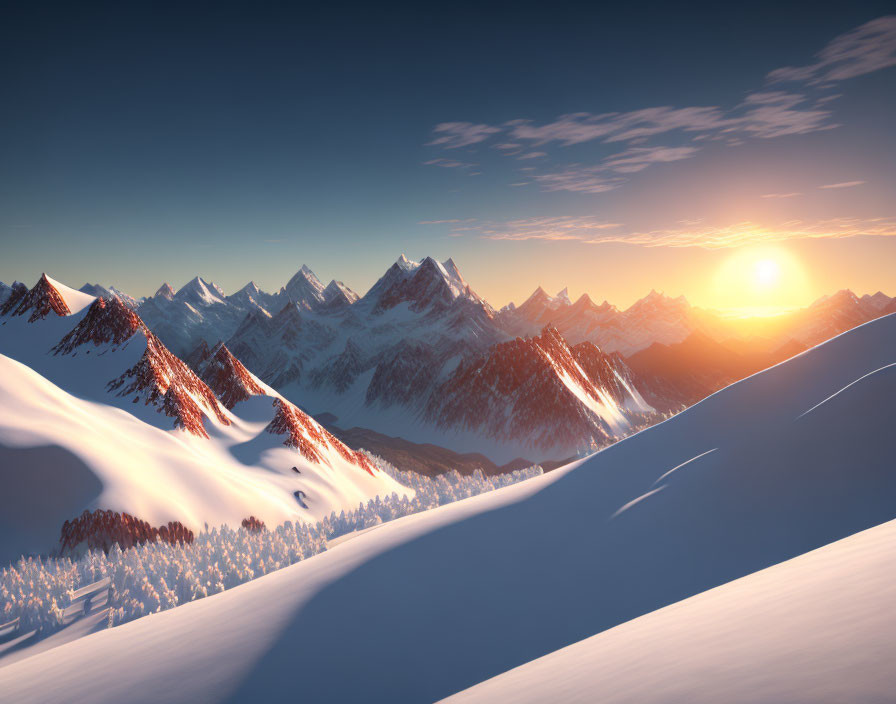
(748, 233)
(595, 231)
(577, 179)
(769, 113)
(866, 49)
(448, 163)
(558, 229)
(604, 177)
(452, 135)
(845, 184)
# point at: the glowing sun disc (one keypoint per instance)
(767, 277)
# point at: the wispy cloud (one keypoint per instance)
(868, 48)
(638, 158)
(561, 228)
(452, 135)
(763, 114)
(448, 163)
(775, 114)
(694, 232)
(691, 233)
(602, 177)
(438, 222)
(844, 184)
(578, 180)
(577, 128)
(747, 233)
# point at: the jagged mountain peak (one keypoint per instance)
(406, 264)
(542, 392)
(164, 381)
(550, 336)
(251, 288)
(108, 321)
(311, 439)
(658, 299)
(306, 273)
(305, 287)
(165, 291)
(338, 292)
(541, 304)
(228, 378)
(44, 297)
(877, 301)
(842, 297)
(422, 285)
(100, 291)
(539, 294)
(198, 291)
(159, 378)
(95, 290)
(431, 267)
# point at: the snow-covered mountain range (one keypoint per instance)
(393, 361)
(89, 396)
(684, 553)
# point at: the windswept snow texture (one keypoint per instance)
(429, 605)
(817, 628)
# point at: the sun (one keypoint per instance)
(767, 272)
(760, 281)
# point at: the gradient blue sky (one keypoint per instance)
(147, 142)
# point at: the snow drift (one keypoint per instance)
(815, 629)
(784, 462)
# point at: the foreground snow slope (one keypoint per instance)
(60, 454)
(782, 463)
(818, 628)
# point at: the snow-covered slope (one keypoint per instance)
(60, 455)
(816, 629)
(89, 400)
(784, 462)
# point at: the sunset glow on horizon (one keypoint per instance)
(666, 172)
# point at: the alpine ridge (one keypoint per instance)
(381, 361)
(92, 400)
